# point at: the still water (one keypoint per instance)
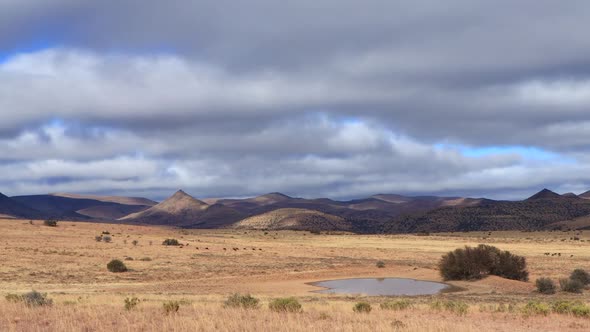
(381, 286)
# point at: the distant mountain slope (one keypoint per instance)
(184, 210)
(544, 194)
(12, 208)
(111, 212)
(532, 214)
(295, 219)
(581, 223)
(585, 195)
(70, 208)
(366, 215)
(111, 199)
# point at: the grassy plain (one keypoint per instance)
(70, 265)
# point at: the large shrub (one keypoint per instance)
(242, 301)
(545, 286)
(476, 262)
(287, 304)
(581, 275)
(571, 285)
(116, 266)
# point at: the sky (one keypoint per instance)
(312, 98)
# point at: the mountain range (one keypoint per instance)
(382, 213)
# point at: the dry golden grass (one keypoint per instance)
(68, 264)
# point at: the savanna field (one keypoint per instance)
(185, 287)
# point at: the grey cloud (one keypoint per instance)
(337, 98)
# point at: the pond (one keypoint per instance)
(382, 286)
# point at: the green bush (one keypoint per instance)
(362, 307)
(380, 264)
(536, 308)
(242, 301)
(471, 263)
(286, 304)
(571, 285)
(581, 310)
(131, 303)
(107, 239)
(171, 307)
(575, 308)
(397, 305)
(545, 286)
(581, 275)
(116, 266)
(171, 242)
(457, 307)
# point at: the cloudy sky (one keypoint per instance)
(335, 98)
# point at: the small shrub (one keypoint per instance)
(380, 264)
(242, 301)
(36, 299)
(287, 304)
(171, 307)
(457, 307)
(545, 286)
(131, 303)
(581, 275)
(116, 266)
(581, 310)
(50, 222)
(107, 238)
(571, 285)
(536, 308)
(171, 242)
(396, 305)
(135, 242)
(128, 258)
(362, 307)
(568, 307)
(13, 298)
(98, 238)
(145, 259)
